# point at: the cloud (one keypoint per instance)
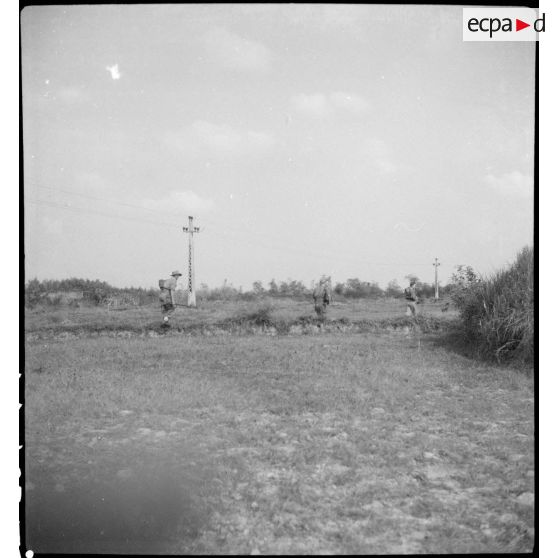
(320, 105)
(377, 153)
(114, 71)
(314, 105)
(204, 137)
(71, 95)
(236, 52)
(90, 182)
(183, 202)
(408, 228)
(342, 15)
(512, 183)
(321, 17)
(54, 227)
(350, 102)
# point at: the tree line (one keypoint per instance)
(351, 288)
(95, 292)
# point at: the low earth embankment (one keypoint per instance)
(258, 318)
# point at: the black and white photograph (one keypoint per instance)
(280, 278)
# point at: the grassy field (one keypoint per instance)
(331, 443)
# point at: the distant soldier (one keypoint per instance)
(167, 295)
(322, 297)
(411, 298)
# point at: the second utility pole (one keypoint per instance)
(191, 278)
(436, 264)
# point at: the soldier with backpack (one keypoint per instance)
(411, 298)
(322, 296)
(166, 296)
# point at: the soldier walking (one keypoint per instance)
(322, 297)
(167, 295)
(411, 298)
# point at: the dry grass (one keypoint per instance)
(329, 443)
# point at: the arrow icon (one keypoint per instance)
(519, 25)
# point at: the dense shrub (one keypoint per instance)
(225, 292)
(462, 280)
(261, 317)
(32, 293)
(50, 292)
(425, 290)
(294, 289)
(355, 288)
(393, 290)
(498, 311)
(147, 296)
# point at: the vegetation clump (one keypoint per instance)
(498, 311)
(261, 317)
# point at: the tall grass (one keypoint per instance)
(498, 311)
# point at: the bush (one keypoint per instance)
(462, 281)
(355, 288)
(51, 292)
(393, 290)
(260, 317)
(225, 292)
(55, 300)
(32, 293)
(498, 312)
(425, 290)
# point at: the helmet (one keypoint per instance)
(176, 273)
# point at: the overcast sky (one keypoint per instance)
(353, 141)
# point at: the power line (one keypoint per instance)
(94, 212)
(253, 240)
(124, 204)
(107, 200)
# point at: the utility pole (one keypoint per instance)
(436, 264)
(190, 229)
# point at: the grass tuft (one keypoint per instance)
(260, 317)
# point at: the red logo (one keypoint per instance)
(519, 25)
